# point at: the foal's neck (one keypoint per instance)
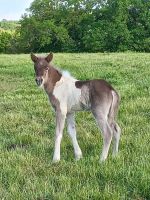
(52, 77)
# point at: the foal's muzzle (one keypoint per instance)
(39, 81)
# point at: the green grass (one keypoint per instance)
(27, 133)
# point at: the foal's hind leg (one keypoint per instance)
(106, 134)
(116, 137)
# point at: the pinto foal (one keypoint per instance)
(68, 95)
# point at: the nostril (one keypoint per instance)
(39, 81)
(36, 80)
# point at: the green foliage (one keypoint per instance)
(27, 125)
(5, 38)
(9, 37)
(88, 25)
(8, 25)
(79, 26)
(139, 25)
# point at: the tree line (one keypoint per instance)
(81, 26)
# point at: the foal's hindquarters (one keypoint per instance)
(104, 101)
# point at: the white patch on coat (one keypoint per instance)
(67, 94)
(66, 74)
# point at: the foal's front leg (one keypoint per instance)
(60, 121)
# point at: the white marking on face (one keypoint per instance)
(41, 86)
(41, 63)
(45, 78)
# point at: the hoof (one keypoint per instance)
(55, 160)
(78, 157)
(102, 160)
(114, 154)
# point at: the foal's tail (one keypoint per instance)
(114, 106)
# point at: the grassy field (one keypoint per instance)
(27, 133)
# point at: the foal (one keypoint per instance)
(68, 95)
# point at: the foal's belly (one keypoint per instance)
(79, 101)
(80, 107)
(76, 107)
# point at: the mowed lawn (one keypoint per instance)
(27, 126)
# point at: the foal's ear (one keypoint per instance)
(49, 57)
(34, 58)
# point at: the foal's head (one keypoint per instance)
(41, 67)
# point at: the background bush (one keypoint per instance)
(79, 26)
